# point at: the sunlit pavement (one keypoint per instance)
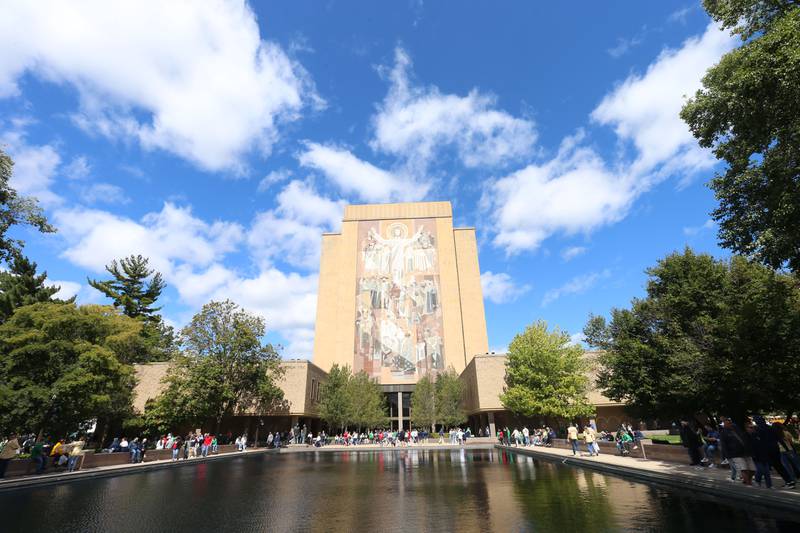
(715, 481)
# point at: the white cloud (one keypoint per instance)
(77, 169)
(276, 176)
(104, 193)
(568, 254)
(354, 176)
(192, 78)
(680, 15)
(417, 122)
(579, 191)
(189, 252)
(623, 46)
(691, 231)
(500, 288)
(35, 166)
(68, 288)
(170, 236)
(286, 301)
(644, 109)
(577, 338)
(577, 285)
(292, 232)
(574, 192)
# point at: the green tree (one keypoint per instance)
(16, 210)
(334, 404)
(63, 365)
(423, 403)
(546, 375)
(367, 403)
(711, 335)
(134, 288)
(449, 392)
(224, 369)
(748, 112)
(21, 285)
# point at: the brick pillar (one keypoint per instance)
(400, 411)
(491, 423)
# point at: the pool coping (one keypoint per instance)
(776, 499)
(30, 481)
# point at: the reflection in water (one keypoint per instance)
(406, 489)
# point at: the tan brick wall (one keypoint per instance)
(300, 384)
(469, 276)
(148, 383)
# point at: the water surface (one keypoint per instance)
(410, 490)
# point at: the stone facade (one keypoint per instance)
(399, 293)
(484, 381)
(300, 383)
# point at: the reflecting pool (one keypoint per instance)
(410, 490)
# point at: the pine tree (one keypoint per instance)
(130, 288)
(22, 286)
(134, 288)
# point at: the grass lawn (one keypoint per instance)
(666, 439)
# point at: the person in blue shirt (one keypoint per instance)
(710, 444)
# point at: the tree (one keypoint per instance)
(224, 369)
(748, 112)
(546, 375)
(423, 403)
(334, 404)
(134, 288)
(130, 287)
(63, 365)
(351, 400)
(449, 391)
(16, 210)
(22, 286)
(367, 403)
(711, 335)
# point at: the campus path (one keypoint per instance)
(18, 482)
(713, 481)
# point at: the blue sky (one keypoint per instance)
(221, 138)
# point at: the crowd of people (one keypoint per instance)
(752, 452)
(58, 456)
(382, 437)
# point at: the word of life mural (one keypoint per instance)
(399, 317)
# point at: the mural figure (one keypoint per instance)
(399, 318)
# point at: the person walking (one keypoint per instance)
(572, 437)
(76, 454)
(759, 451)
(10, 450)
(736, 449)
(789, 458)
(711, 438)
(590, 437)
(38, 456)
(691, 441)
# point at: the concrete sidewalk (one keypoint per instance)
(714, 481)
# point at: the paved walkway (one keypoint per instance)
(714, 481)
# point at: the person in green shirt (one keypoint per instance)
(38, 456)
